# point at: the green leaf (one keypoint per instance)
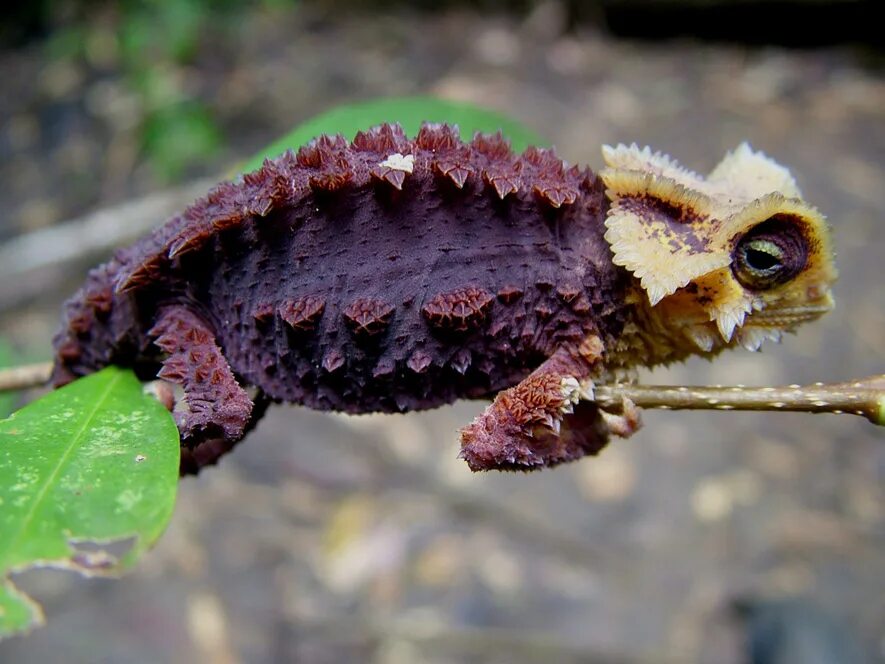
(85, 471)
(410, 112)
(177, 136)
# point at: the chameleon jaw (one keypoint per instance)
(788, 317)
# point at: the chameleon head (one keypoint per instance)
(736, 257)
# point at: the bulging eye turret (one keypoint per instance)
(770, 254)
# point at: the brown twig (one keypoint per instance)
(864, 397)
(22, 378)
(31, 262)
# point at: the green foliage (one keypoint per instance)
(151, 45)
(84, 469)
(174, 136)
(161, 30)
(155, 41)
(410, 112)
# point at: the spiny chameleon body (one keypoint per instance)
(391, 274)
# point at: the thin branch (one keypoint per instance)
(864, 397)
(22, 378)
(25, 260)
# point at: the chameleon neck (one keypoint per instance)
(655, 335)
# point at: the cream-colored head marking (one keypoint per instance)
(734, 257)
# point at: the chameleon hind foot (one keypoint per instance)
(214, 404)
(206, 452)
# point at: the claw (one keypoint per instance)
(625, 424)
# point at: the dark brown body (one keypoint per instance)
(331, 281)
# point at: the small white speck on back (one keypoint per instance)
(399, 162)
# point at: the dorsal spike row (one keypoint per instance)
(321, 151)
(544, 160)
(100, 299)
(493, 147)
(326, 162)
(150, 270)
(556, 195)
(333, 178)
(329, 164)
(186, 242)
(382, 139)
(438, 138)
(271, 188)
(552, 182)
(505, 180)
(393, 170)
(455, 166)
(501, 170)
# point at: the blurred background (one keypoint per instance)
(325, 538)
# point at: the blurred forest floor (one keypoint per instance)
(326, 538)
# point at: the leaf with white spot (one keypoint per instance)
(85, 471)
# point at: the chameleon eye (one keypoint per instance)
(769, 254)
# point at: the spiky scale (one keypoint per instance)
(392, 176)
(333, 360)
(455, 168)
(368, 316)
(568, 292)
(263, 313)
(385, 368)
(461, 361)
(509, 294)
(458, 310)
(437, 138)
(419, 361)
(303, 313)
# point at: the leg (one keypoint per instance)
(208, 452)
(214, 405)
(547, 419)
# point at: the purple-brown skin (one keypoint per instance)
(344, 278)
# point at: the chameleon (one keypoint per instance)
(391, 274)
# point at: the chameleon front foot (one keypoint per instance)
(624, 419)
(496, 440)
(545, 420)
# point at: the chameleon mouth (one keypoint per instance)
(787, 317)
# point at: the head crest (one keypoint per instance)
(679, 234)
